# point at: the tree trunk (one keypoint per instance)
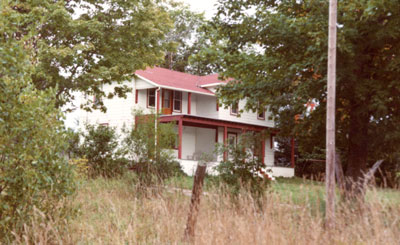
(357, 149)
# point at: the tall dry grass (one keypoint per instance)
(114, 212)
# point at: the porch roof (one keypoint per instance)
(191, 120)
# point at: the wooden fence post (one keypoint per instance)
(339, 174)
(195, 201)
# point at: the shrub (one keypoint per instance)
(240, 171)
(151, 155)
(103, 152)
(34, 174)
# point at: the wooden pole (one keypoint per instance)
(180, 126)
(330, 117)
(292, 161)
(195, 202)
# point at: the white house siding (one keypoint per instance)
(207, 106)
(119, 111)
(205, 140)
(248, 117)
(188, 142)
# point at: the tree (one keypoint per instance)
(82, 44)
(33, 171)
(276, 52)
(189, 36)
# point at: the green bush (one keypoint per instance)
(34, 174)
(240, 170)
(151, 156)
(102, 150)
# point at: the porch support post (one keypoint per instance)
(180, 124)
(216, 135)
(158, 100)
(189, 109)
(292, 154)
(225, 142)
(263, 151)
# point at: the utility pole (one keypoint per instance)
(330, 117)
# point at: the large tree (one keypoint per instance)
(189, 38)
(277, 53)
(83, 44)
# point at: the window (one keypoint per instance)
(177, 101)
(232, 139)
(260, 112)
(235, 108)
(167, 99)
(151, 97)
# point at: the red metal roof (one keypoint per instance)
(179, 80)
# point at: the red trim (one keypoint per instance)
(217, 105)
(292, 163)
(216, 135)
(263, 151)
(136, 96)
(225, 142)
(180, 124)
(211, 122)
(189, 110)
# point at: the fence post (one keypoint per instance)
(195, 201)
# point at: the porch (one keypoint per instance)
(199, 135)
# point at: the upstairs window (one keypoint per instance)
(177, 101)
(151, 97)
(260, 112)
(235, 108)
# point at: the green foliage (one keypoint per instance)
(151, 156)
(82, 44)
(34, 173)
(240, 170)
(102, 150)
(189, 37)
(276, 51)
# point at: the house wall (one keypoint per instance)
(205, 140)
(119, 110)
(188, 141)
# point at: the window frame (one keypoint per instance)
(237, 109)
(262, 112)
(180, 100)
(148, 97)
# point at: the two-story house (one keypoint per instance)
(190, 102)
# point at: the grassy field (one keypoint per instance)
(115, 211)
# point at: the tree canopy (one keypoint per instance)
(83, 44)
(189, 37)
(277, 53)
